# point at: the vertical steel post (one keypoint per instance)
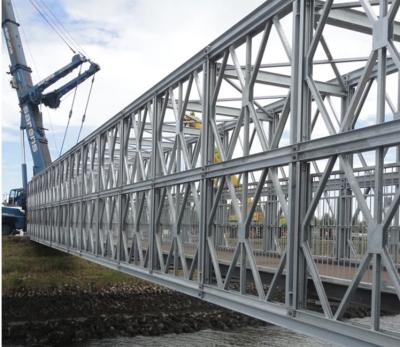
(97, 189)
(206, 185)
(245, 175)
(82, 204)
(121, 197)
(154, 193)
(379, 167)
(68, 196)
(300, 127)
(345, 201)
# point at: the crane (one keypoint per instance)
(30, 97)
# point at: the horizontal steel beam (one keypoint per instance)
(172, 129)
(284, 81)
(332, 185)
(359, 140)
(353, 77)
(221, 110)
(356, 21)
(148, 143)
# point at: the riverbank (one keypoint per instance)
(50, 298)
(72, 315)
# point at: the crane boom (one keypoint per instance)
(30, 96)
(31, 117)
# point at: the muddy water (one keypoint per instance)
(260, 337)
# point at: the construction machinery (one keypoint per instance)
(13, 212)
(30, 97)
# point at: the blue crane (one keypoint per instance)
(30, 96)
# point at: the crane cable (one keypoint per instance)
(86, 107)
(66, 37)
(70, 114)
(61, 27)
(60, 35)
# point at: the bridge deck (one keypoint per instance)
(340, 272)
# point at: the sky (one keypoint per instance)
(136, 43)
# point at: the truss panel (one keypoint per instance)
(258, 172)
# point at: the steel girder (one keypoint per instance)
(305, 186)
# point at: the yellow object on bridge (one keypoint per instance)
(192, 121)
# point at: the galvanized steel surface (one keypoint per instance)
(291, 169)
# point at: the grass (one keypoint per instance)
(29, 265)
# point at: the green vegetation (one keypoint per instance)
(29, 265)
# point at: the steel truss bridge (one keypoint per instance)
(253, 176)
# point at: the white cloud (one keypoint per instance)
(136, 43)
